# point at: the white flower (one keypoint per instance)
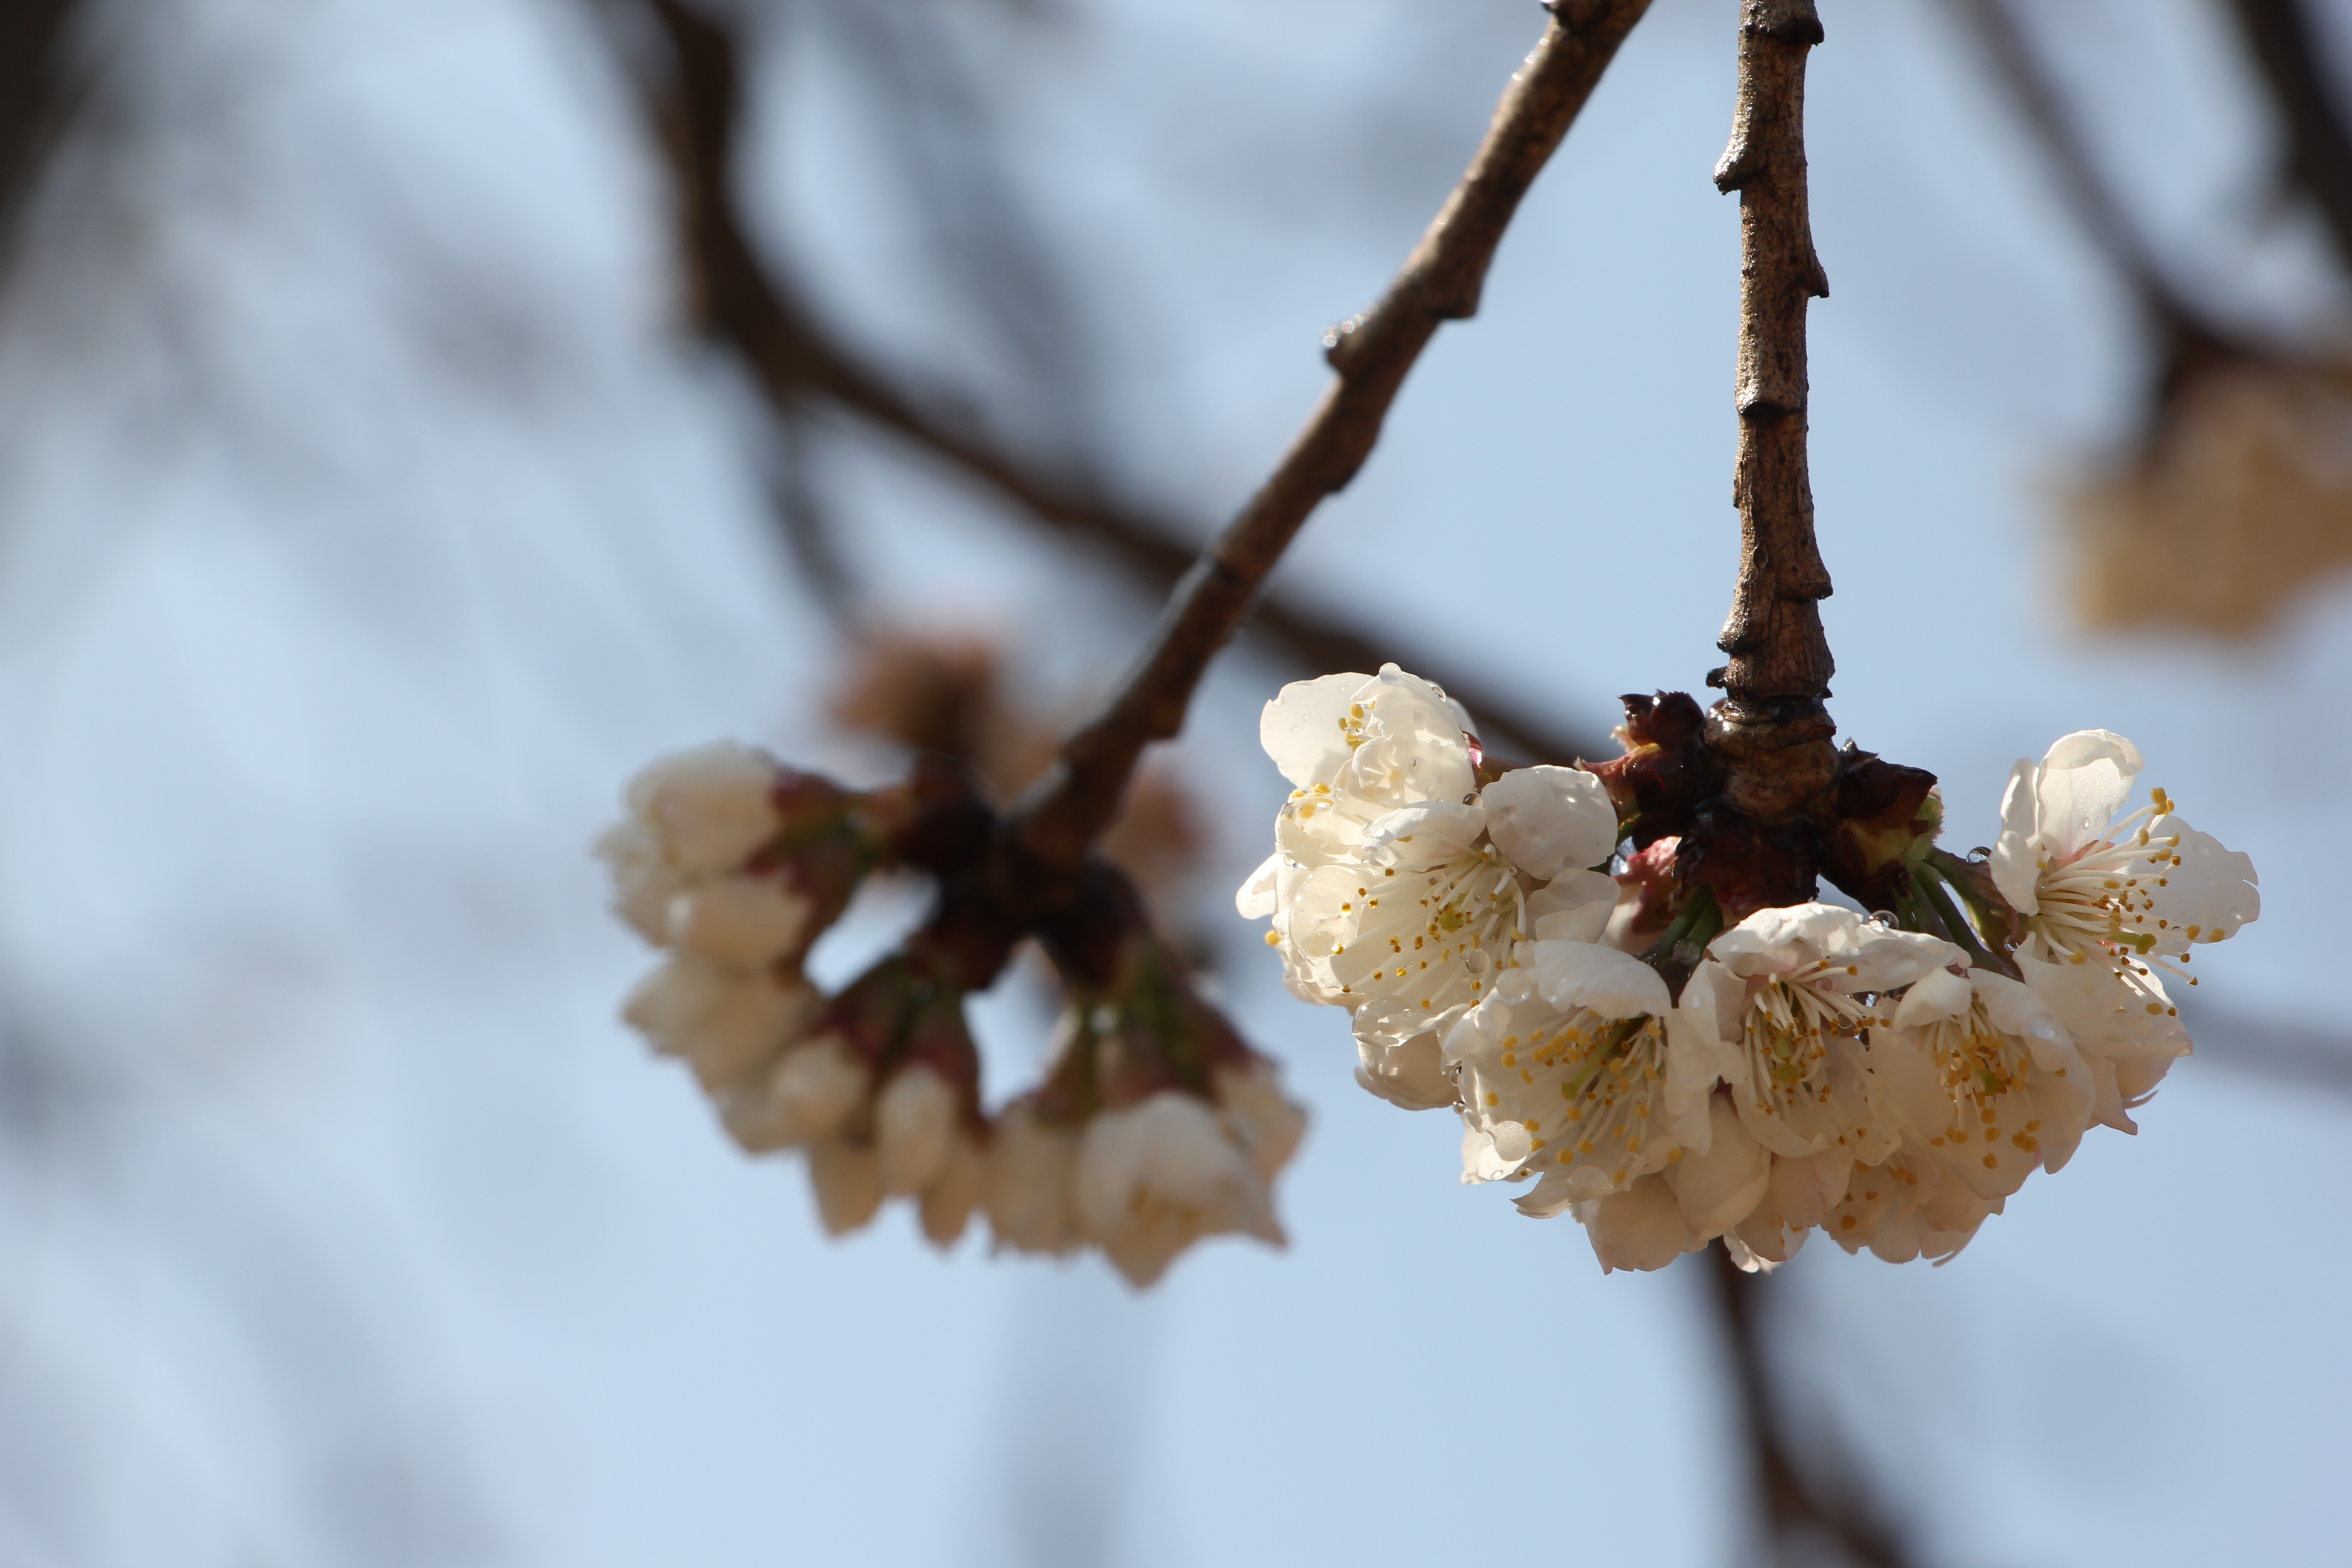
(1641, 1228)
(914, 1128)
(726, 1023)
(1905, 1208)
(1398, 887)
(692, 815)
(810, 1095)
(1797, 1195)
(1156, 1176)
(1028, 1191)
(1986, 1076)
(1778, 1009)
(2109, 904)
(1564, 1074)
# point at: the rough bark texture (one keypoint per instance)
(1372, 353)
(1771, 726)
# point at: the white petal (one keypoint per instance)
(1428, 833)
(1300, 728)
(1718, 1188)
(2017, 1009)
(1256, 899)
(723, 1022)
(2086, 778)
(2016, 869)
(1613, 984)
(1550, 820)
(1573, 907)
(1934, 995)
(2112, 1014)
(914, 1127)
(1641, 1227)
(1411, 1073)
(2211, 891)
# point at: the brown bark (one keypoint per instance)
(1372, 354)
(1774, 634)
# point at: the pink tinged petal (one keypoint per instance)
(2086, 778)
(848, 1183)
(1776, 1248)
(1640, 1228)
(1719, 1186)
(1256, 899)
(1574, 907)
(914, 1128)
(1410, 1073)
(1300, 728)
(1612, 985)
(1548, 821)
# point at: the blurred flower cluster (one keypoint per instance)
(1695, 1047)
(1156, 1125)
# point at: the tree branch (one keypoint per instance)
(1793, 1510)
(2189, 344)
(1441, 281)
(743, 303)
(2286, 46)
(1774, 634)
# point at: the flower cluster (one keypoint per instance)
(1890, 1079)
(1157, 1127)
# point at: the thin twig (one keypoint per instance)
(1441, 281)
(2283, 38)
(2188, 342)
(1774, 635)
(743, 303)
(1793, 1508)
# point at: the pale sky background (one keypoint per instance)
(363, 525)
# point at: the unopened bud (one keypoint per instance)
(848, 1183)
(955, 1191)
(746, 920)
(913, 1125)
(1030, 1163)
(723, 1022)
(710, 807)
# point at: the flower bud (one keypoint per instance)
(1030, 1164)
(959, 1188)
(914, 1127)
(743, 920)
(811, 1095)
(848, 1183)
(710, 807)
(725, 1022)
